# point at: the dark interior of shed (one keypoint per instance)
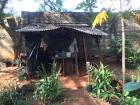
(57, 45)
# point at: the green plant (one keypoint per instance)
(22, 75)
(126, 99)
(48, 88)
(21, 70)
(10, 96)
(116, 48)
(132, 55)
(101, 81)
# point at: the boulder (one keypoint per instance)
(6, 46)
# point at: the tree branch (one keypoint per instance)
(3, 4)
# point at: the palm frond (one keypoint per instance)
(100, 18)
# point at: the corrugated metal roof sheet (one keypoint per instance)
(89, 30)
(38, 28)
(84, 28)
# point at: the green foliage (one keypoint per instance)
(102, 88)
(48, 88)
(87, 5)
(51, 5)
(126, 99)
(116, 49)
(10, 96)
(22, 75)
(133, 58)
(21, 71)
(101, 81)
(131, 86)
(132, 55)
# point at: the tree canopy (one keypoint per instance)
(87, 5)
(51, 5)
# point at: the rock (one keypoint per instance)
(2, 65)
(6, 46)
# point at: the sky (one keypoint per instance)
(30, 5)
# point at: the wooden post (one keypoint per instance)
(85, 53)
(99, 48)
(63, 63)
(76, 63)
(85, 50)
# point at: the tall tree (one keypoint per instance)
(87, 5)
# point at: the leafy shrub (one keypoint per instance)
(101, 81)
(48, 88)
(101, 87)
(10, 96)
(132, 55)
(116, 49)
(21, 71)
(22, 74)
(7, 96)
(127, 99)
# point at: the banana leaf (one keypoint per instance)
(132, 86)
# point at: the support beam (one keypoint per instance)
(85, 49)
(76, 64)
(99, 48)
(86, 58)
(76, 59)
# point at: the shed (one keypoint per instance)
(63, 41)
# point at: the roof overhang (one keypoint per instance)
(84, 28)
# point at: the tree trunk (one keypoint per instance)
(123, 46)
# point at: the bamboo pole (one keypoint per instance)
(123, 45)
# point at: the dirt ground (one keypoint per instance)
(73, 85)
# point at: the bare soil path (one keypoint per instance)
(75, 91)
